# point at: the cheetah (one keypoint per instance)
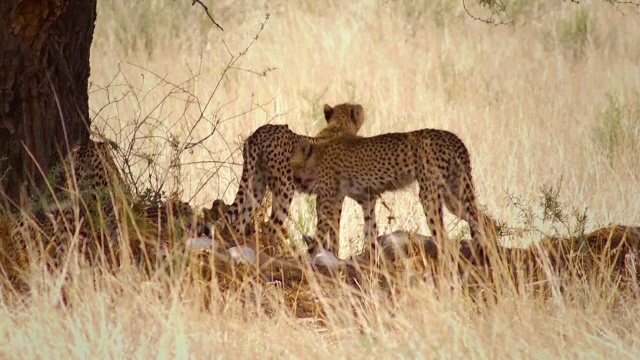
(266, 154)
(90, 174)
(85, 215)
(84, 211)
(363, 168)
(81, 208)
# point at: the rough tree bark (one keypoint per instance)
(44, 74)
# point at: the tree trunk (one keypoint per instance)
(44, 74)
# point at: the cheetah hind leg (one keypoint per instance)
(432, 203)
(275, 233)
(461, 202)
(467, 211)
(238, 218)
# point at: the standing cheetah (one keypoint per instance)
(266, 162)
(365, 167)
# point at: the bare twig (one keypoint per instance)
(617, 4)
(497, 8)
(628, 3)
(206, 10)
(156, 136)
(259, 73)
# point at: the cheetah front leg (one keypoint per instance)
(328, 210)
(370, 224)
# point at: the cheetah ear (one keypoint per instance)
(306, 149)
(218, 208)
(357, 115)
(328, 112)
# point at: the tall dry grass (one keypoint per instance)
(552, 96)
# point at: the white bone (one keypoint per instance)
(327, 259)
(198, 243)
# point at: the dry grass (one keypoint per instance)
(555, 95)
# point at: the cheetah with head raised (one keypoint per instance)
(267, 153)
(365, 167)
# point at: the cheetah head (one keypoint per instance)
(218, 208)
(342, 119)
(302, 166)
(214, 217)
